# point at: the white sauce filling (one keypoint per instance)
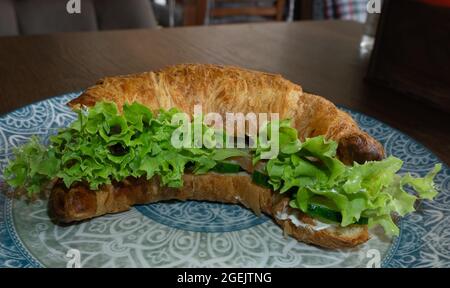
(294, 219)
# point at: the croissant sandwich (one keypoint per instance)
(320, 177)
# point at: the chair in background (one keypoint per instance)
(230, 11)
(26, 17)
(8, 20)
(169, 13)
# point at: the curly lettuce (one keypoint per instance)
(310, 170)
(103, 146)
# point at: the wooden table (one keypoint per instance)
(323, 57)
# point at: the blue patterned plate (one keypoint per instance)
(200, 234)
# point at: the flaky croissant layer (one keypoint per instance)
(225, 89)
(222, 90)
(80, 203)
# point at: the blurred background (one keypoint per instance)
(25, 17)
(408, 40)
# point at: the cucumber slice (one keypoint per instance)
(225, 167)
(362, 221)
(261, 179)
(319, 211)
(322, 212)
(321, 207)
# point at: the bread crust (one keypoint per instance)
(223, 89)
(80, 203)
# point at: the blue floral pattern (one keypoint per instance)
(192, 234)
(202, 216)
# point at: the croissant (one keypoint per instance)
(223, 89)
(79, 203)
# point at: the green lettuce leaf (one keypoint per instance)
(424, 186)
(103, 145)
(311, 171)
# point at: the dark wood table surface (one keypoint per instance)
(323, 57)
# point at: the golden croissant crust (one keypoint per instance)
(223, 89)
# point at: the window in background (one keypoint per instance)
(340, 9)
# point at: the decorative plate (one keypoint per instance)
(201, 234)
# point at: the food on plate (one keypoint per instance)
(326, 186)
(224, 89)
